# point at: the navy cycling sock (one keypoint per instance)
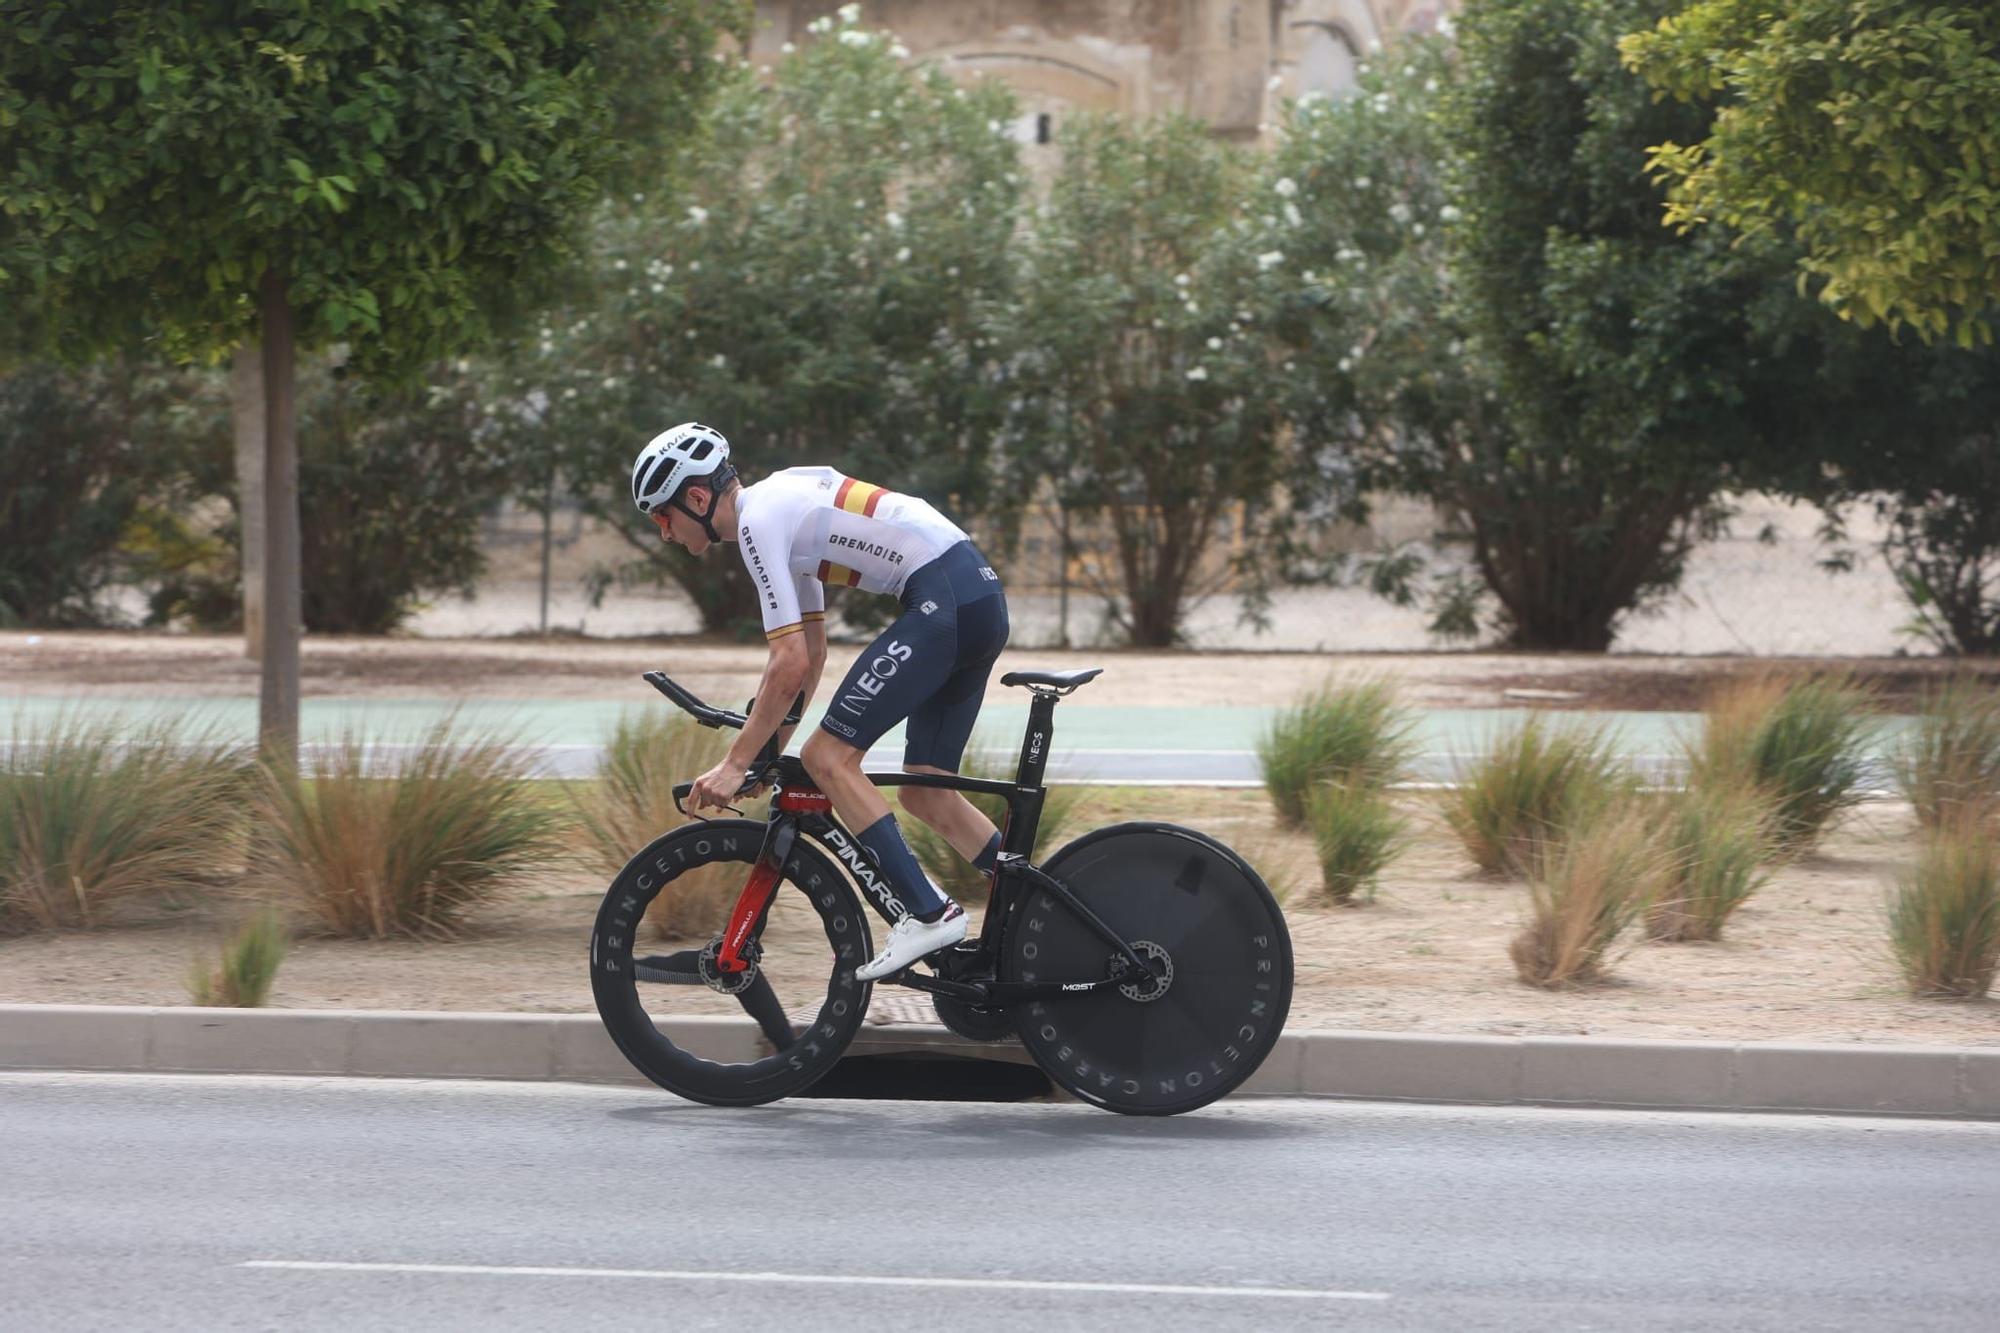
(985, 861)
(884, 841)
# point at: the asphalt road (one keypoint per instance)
(171, 1203)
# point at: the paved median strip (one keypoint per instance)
(1638, 1074)
(820, 1279)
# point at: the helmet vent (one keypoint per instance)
(645, 487)
(702, 450)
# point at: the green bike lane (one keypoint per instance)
(1205, 745)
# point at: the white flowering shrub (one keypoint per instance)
(818, 281)
(1381, 387)
(1494, 308)
(1143, 383)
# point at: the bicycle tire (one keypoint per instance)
(1222, 931)
(621, 1003)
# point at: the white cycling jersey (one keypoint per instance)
(806, 527)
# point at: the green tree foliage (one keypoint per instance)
(1145, 390)
(1913, 433)
(382, 172)
(1380, 381)
(93, 460)
(1871, 128)
(397, 163)
(394, 481)
(1635, 366)
(393, 484)
(818, 284)
(1943, 544)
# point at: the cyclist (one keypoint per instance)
(803, 528)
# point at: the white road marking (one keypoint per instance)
(823, 1279)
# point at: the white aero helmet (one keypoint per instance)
(688, 452)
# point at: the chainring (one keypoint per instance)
(973, 1022)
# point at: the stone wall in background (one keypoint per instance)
(1227, 62)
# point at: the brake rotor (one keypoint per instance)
(1159, 961)
(708, 964)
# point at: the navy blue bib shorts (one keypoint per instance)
(930, 666)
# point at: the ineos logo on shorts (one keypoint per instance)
(875, 679)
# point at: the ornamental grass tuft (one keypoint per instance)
(631, 803)
(407, 845)
(1356, 832)
(1514, 805)
(1715, 842)
(1944, 913)
(242, 977)
(1802, 743)
(91, 817)
(1950, 763)
(1594, 886)
(1334, 734)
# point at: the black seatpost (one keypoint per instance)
(1035, 745)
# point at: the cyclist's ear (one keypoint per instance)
(705, 493)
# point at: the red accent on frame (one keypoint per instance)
(804, 800)
(756, 897)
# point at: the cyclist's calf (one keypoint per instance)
(959, 821)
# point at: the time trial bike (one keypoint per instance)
(1145, 967)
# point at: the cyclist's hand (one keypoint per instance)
(715, 789)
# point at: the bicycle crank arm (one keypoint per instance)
(971, 992)
(674, 969)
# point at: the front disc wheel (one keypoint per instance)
(729, 1038)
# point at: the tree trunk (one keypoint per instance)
(548, 539)
(246, 403)
(278, 700)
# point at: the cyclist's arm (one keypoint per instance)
(815, 637)
(785, 674)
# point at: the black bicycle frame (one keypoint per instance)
(1014, 877)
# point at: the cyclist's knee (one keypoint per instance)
(825, 756)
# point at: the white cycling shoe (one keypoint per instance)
(911, 939)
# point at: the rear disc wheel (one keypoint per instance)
(1214, 939)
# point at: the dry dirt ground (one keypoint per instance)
(148, 665)
(1805, 960)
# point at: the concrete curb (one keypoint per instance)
(1959, 1082)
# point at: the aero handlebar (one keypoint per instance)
(708, 716)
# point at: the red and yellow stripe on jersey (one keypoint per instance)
(857, 497)
(839, 575)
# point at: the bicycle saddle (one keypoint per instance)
(1054, 680)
